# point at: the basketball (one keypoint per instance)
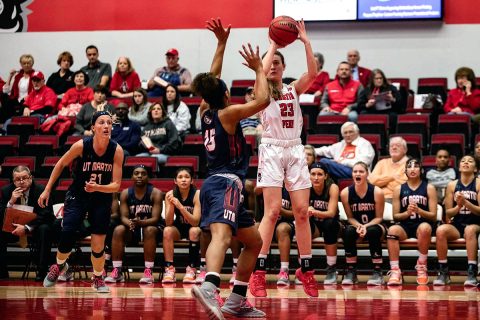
(283, 30)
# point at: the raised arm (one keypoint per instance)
(234, 113)
(306, 80)
(215, 25)
(74, 152)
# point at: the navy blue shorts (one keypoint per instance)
(411, 229)
(76, 208)
(291, 223)
(222, 202)
(328, 228)
(183, 229)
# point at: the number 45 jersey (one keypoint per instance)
(225, 153)
(282, 119)
(92, 167)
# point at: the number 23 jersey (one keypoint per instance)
(282, 119)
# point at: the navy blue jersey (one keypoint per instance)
(187, 204)
(286, 203)
(92, 167)
(465, 216)
(140, 208)
(418, 196)
(225, 153)
(363, 209)
(320, 201)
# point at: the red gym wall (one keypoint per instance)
(61, 15)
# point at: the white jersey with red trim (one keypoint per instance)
(282, 119)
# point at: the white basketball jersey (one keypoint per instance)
(282, 119)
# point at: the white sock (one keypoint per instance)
(394, 264)
(149, 264)
(284, 265)
(422, 258)
(331, 260)
(117, 264)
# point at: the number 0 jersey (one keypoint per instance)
(225, 153)
(282, 119)
(92, 167)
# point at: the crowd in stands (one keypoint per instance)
(155, 121)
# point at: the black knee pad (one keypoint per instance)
(374, 231)
(330, 231)
(392, 237)
(67, 241)
(98, 255)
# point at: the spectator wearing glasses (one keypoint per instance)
(24, 191)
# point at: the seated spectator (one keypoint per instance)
(40, 102)
(99, 73)
(364, 204)
(141, 220)
(78, 95)
(124, 81)
(318, 86)
(442, 174)
(390, 172)
(62, 80)
(380, 97)
(24, 191)
(463, 221)
(476, 154)
(14, 92)
(83, 123)
(251, 125)
(283, 235)
(324, 218)
(414, 207)
(172, 73)
(139, 109)
(310, 156)
(182, 217)
(342, 94)
(125, 132)
(177, 110)
(465, 98)
(340, 157)
(161, 135)
(358, 73)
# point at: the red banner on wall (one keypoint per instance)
(83, 15)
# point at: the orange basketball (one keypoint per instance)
(283, 30)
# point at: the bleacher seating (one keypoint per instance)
(239, 86)
(455, 123)
(415, 147)
(9, 163)
(175, 162)
(433, 85)
(414, 123)
(330, 124)
(9, 146)
(454, 143)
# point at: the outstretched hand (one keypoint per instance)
(215, 25)
(252, 58)
(302, 32)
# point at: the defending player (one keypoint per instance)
(221, 195)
